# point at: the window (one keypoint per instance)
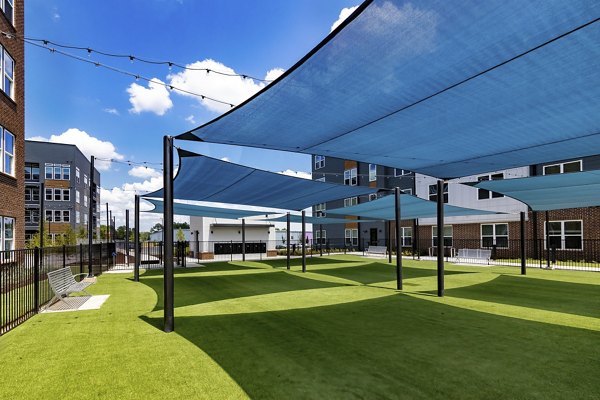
(7, 7)
(400, 172)
(77, 176)
(49, 196)
(372, 172)
(7, 149)
(7, 233)
(32, 172)
(85, 218)
(319, 162)
(494, 234)
(483, 194)
(565, 235)
(48, 215)
(57, 171)
(350, 177)
(433, 192)
(85, 200)
(350, 201)
(447, 235)
(57, 215)
(8, 73)
(77, 197)
(77, 217)
(32, 194)
(318, 239)
(66, 215)
(85, 180)
(57, 194)
(351, 236)
(406, 233)
(372, 196)
(320, 210)
(563, 168)
(32, 216)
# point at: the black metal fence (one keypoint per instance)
(24, 287)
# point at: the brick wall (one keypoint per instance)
(12, 117)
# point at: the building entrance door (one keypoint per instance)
(373, 237)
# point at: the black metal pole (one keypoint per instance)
(136, 239)
(127, 238)
(523, 259)
(110, 229)
(36, 279)
(288, 233)
(440, 238)
(303, 241)
(398, 240)
(107, 225)
(321, 240)
(243, 239)
(169, 287)
(547, 241)
(90, 218)
(389, 240)
(42, 217)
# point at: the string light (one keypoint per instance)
(131, 57)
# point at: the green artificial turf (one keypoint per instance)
(339, 330)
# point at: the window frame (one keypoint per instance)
(433, 194)
(319, 161)
(406, 239)
(372, 172)
(11, 17)
(563, 235)
(495, 236)
(349, 238)
(318, 239)
(3, 238)
(451, 236)
(351, 177)
(5, 154)
(350, 201)
(562, 167)
(321, 210)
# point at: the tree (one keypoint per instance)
(82, 233)
(180, 236)
(156, 228)
(182, 225)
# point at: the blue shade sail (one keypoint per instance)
(203, 211)
(551, 192)
(444, 88)
(204, 178)
(411, 207)
(317, 220)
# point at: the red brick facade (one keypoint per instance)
(12, 117)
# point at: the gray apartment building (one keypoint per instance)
(354, 233)
(58, 176)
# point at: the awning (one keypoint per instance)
(203, 178)
(203, 211)
(410, 207)
(551, 192)
(438, 87)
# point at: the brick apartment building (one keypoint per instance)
(12, 125)
(64, 172)
(571, 231)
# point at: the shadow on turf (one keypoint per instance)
(543, 294)
(394, 347)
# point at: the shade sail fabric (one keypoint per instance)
(316, 220)
(438, 87)
(411, 207)
(203, 178)
(203, 211)
(551, 192)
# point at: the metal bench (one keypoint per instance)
(62, 281)
(466, 255)
(377, 250)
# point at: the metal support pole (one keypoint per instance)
(547, 241)
(81, 258)
(321, 240)
(169, 287)
(243, 240)
(417, 239)
(388, 226)
(107, 225)
(523, 259)
(90, 218)
(42, 217)
(288, 233)
(440, 238)
(398, 240)
(198, 246)
(136, 239)
(36, 279)
(64, 255)
(127, 238)
(303, 241)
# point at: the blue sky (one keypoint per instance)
(113, 116)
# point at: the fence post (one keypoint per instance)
(36, 279)
(81, 258)
(64, 254)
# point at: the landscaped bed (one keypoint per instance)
(340, 330)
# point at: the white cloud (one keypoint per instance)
(274, 74)
(113, 111)
(297, 174)
(345, 13)
(154, 99)
(230, 89)
(55, 15)
(191, 119)
(88, 145)
(144, 172)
